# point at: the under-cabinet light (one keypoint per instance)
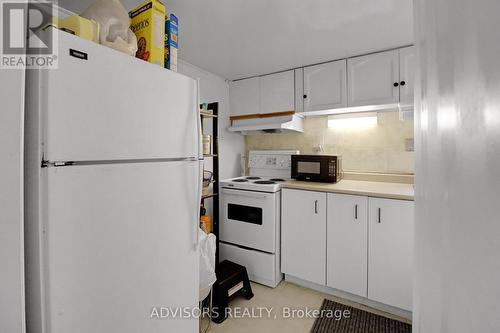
(353, 121)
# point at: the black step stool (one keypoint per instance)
(232, 281)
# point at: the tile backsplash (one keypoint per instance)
(382, 148)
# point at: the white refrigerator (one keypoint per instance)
(113, 185)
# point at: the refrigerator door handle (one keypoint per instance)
(198, 203)
(198, 121)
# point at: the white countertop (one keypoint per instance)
(357, 187)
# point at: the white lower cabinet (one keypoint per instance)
(303, 235)
(347, 232)
(356, 244)
(390, 252)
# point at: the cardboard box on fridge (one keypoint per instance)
(147, 22)
(79, 26)
(171, 42)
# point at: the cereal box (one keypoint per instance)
(171, 42)
(148, 24)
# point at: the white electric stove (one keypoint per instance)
(254, 183)
(251, 216)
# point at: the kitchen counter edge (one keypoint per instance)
(384, 190)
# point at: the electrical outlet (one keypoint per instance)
(318, 149)
(410, 144)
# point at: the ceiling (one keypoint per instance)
(242, 38)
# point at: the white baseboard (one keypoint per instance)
(353, 298)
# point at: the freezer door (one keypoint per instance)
(119, 241)
(112, 106)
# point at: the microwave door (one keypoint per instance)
(311, 168)
(320, 168)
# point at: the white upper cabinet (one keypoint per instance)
(299, 90)
(325, 86)
(347, 233)
(406, 75)
(303, 235)
(264, 94)
(390, 252)
(277, 92)
(373, 79)
(245, 96)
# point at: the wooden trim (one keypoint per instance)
(245, 116)
(262, 115)
(207, 114)
(277, 114)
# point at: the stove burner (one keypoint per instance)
(264, 182)
(252, 178)
(277, 179)
(239, 180)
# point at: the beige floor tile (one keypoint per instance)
(285, 295)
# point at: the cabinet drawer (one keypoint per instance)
(261, 267)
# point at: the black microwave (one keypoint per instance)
(317, 168)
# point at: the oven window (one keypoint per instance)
(244, 213)
(309, 167)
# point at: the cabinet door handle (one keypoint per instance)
(396, 84)
(315, 206)
(356, 211)
(402, 83)
(379, 215)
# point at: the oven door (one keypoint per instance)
(249, 218)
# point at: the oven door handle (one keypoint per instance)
(244, 194)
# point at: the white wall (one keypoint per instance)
(213, 88)
(237, 39)
(11, 201)
(378, 149)
(457, 273)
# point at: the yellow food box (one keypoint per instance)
(79, 26)
(148, 24)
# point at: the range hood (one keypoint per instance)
(267, 123)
